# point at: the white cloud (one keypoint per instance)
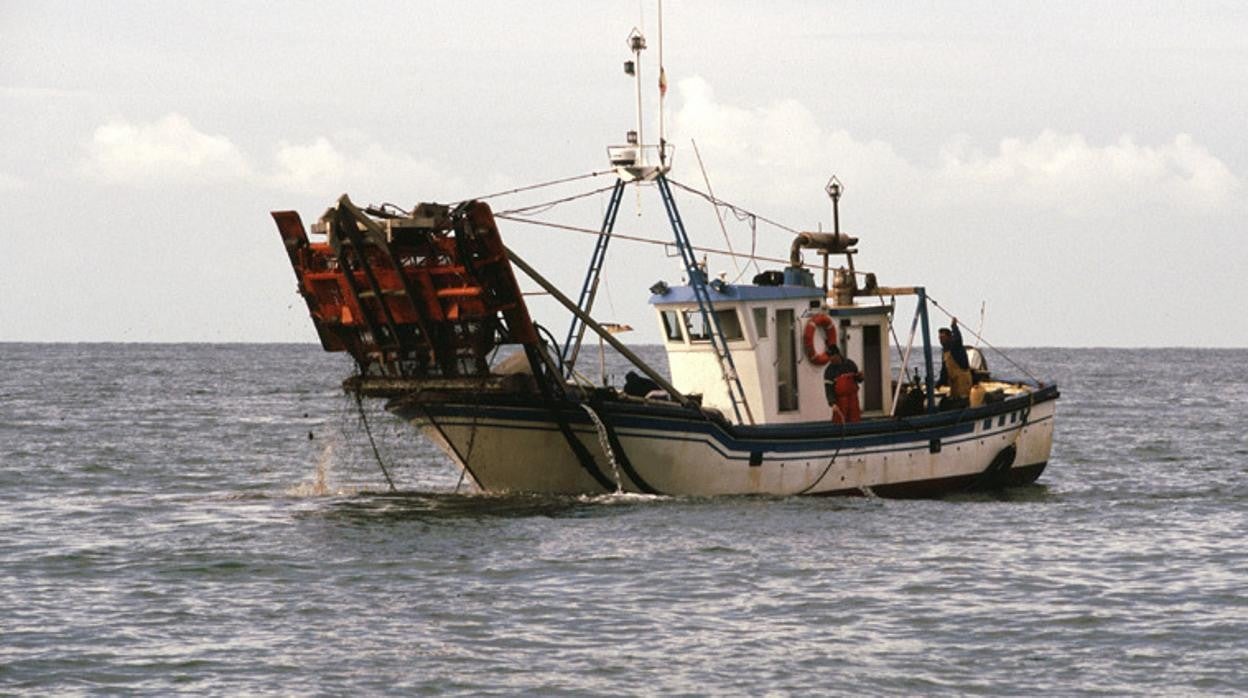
(743, 147)
(750, 146)
(1053, 171)
(1065, 172)
(352, 163)
(299, 167)
(124, 152)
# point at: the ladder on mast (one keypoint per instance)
(698, 282)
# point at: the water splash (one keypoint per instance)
(605, 443)
(619, 497)
(320, 485)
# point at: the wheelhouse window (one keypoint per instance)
(730, 324)
(671, 325)
(760, 322)
(700, 331)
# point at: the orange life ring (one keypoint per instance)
(829, 338)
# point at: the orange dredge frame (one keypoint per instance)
(422, 296)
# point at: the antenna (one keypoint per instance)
(662, 93)
(637, 44)
(631, 161)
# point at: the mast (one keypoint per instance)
(637, 44)
(632, 165)
(662, 92)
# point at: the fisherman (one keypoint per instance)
(637, 385)
(955, 369)
(840, 384)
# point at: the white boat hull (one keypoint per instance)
(525, 450)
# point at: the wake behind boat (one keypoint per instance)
(782, 386)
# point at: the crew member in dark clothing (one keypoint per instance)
(638, 385)
(840, 384)
(955, 368)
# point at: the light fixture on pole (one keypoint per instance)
(834, 190)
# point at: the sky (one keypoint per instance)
(1076, 171)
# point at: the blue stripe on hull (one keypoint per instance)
(742, 450)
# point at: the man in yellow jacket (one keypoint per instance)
(955, 369)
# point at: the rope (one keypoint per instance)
(442, 432)
(359, 403)
(988, 344)
(824, 474)
(472, 443)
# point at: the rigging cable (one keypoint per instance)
(983, 308)
(892, 308)
(989, 344)
(706, 178)
(531, 187)
(741, 214)
(630, 238)
(736, 210)
(753, 247)
(546, 206)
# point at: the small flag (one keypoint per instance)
(662, 82)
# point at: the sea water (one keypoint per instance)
(212, 519)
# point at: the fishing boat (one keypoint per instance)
(428, 303)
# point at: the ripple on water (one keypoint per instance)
(168, 526)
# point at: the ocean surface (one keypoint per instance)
(211, 519)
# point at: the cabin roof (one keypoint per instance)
(677, 295)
